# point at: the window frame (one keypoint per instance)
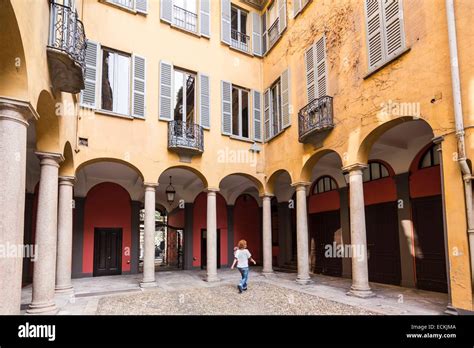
(184, 106)
(240, 11)
(381, 165)
(241, 90)
(197, 13)
(433, 158)
(275, 85)
(315, 190)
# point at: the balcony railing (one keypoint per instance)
(274, 33)
(185, 137)
(240, 40)
(67, 33)
(184, 19)
(315, 117)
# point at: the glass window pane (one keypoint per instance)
(107, 80)
(385, 173)
(178, 100)
(190, 97)
(243, 22)
(122, 100)
(245, 114)
(327, 184)
(234, 19)
(333, 185)
(435, 157)
(426, 161)
(235, 111)
(321, 186)
(375, 168)
(366, 174)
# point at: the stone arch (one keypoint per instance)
(270, 187)
(311, 162)
(67, 166)
(191, 169)
(110, 159)
(47, 126)
(257, 183)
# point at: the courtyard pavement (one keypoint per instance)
(185, 293)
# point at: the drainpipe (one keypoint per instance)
(458, 118)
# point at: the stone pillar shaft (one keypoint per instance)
(149, 242)
(211, 237)
(302, 234)
(13, 129)
(64, 256)
(44, 275)
(267, 235)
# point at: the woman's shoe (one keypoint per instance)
(240, 288)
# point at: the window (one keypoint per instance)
(385, 33)
(240, 112)
(115, 85)
(324, 184)
(375, 171)
(239, 37)
(298, 6)
(275, 101)
(185, 14)
(140, 6)
(277, 106)
(185, 96)
(274, 22)
(429, 159)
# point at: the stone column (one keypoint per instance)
(64, 256)
(13, 127)
(149, 242)
(302, 233)
(360, 271)
(267, 235)
(44, 275)
(211, 237)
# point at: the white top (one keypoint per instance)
(242, 256)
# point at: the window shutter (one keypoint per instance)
(166, 10)
(282, 15)
(309, 62)
(257, 34)
(264, 34)
(138, 86)
(296, 7)
(205, 101)
(226, 107)
(205, 20)
(266, 121)
(166, 91)
(375, 47)
(141, 6)
(257, 116)
(285, 98)
(320, 51)
(225, 21)
(393, 27)
(89, 93)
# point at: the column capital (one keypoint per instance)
(267, 195)
(212, 190)
(49, 158)
(438, 140)
(150, 185)
(300, 185)
(354, 167)
(17, 110)
(67, 180)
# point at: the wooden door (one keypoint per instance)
(107, 251)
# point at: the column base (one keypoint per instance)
(303, 280)
(267, 273)
(450, 310)
(64, 290)
(366, 293)
(42, 309)
(148, 284)
(212, 278)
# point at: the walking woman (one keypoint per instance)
(241, 258)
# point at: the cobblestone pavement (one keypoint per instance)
(261, 299)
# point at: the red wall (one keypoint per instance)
(327, 201)
(424, 182)
(380, 191)
(200, 222)
(176, 218)
(107, 205)
(247, 225)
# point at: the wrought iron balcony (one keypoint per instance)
(184, 19)
(240, 40)
(273, 33)
(315, 118)
(185, 138)
(66, 49)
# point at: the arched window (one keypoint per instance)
(324, 184)
(375, 171)
(429, 159)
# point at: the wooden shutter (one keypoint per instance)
(296, 7)
(266, 119)
(321, 70)
(225, 21)
(141, 6)
(89, 93)
(310, 74)
(257, 34)
(166, 10)
(282, 15)
(393, 27)
(166, 91)
(375, 46)
(257, 115)
(138, 86)
(205, 20)
(205, 101)
(264, 34)
(285, 98)
(226, 88)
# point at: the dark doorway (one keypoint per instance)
(429, 241)
(324, 230)
(383, 248)
(107, 251)
(204, 248)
